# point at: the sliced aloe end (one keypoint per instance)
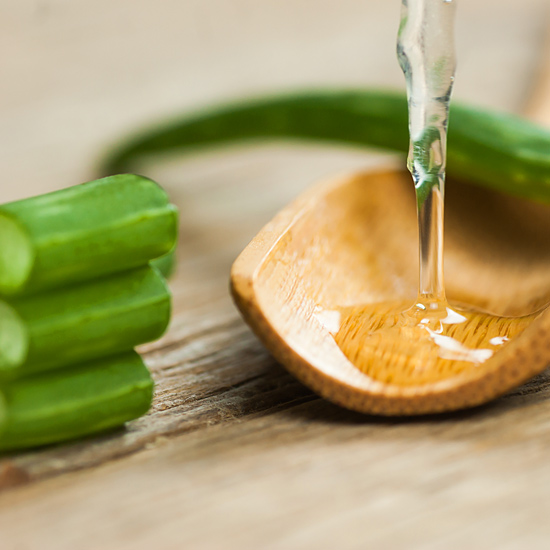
(14, 340)
(16, 255)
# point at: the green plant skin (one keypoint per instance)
(91, 320)
(76, 402)
(497, 150)
(84, 232)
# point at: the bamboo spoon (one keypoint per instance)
(353, 241)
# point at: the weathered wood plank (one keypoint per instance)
(312, 472)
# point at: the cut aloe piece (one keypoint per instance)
(82, 322)
(71, 403)
(83, 232)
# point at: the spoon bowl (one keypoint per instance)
(352, 242)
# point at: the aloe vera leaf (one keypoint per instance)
(493, 149)
(86, 231)
(86, 321)
(71, 403)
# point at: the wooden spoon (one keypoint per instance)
(353, 241)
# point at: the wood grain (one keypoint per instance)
(236, 453)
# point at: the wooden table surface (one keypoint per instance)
(235, 453)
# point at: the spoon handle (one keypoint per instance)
(537, 107)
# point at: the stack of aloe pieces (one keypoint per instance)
(79, 289)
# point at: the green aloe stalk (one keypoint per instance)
(493, 149)
(70, 403)
(83, 232)
(82, 322)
